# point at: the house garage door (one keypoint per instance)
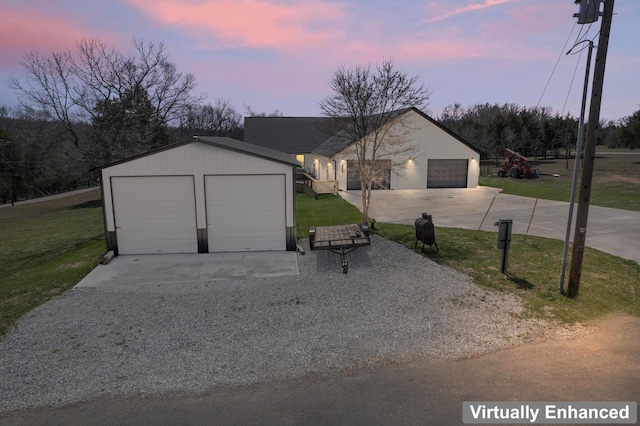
(155, 214)
(246, 212)
(447, 173)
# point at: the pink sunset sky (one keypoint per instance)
(281, 54)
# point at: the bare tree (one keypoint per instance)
(220, 119)
(251, 113)
(78, 87)
(366, 106)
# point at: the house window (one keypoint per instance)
(300, 158)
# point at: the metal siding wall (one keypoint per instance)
(198, 160)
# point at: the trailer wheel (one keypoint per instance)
(514, 172)
(501, 173)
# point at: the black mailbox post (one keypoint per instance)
(504, 241)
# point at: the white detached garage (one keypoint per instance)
(209, 194)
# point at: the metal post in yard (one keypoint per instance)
(504, 241)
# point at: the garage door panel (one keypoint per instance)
(155, 214)
(447, 173)
(246, 213)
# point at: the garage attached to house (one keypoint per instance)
(418, 152)
(447, 173)
(205, 195)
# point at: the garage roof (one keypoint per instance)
(220, 142)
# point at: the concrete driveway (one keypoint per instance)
(613, 231)
(179, 268)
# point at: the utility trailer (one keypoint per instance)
(340, 239)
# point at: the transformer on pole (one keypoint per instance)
(589, 11)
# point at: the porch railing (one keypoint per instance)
(314, 187)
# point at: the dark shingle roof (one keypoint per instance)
(318, 135)
(293, 135)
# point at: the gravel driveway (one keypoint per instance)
(392, 306)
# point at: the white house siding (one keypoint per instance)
(323, 167)
(198, 160)
(410, 171)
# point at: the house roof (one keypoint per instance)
(220, 142)
(293, 135)
(317, 135)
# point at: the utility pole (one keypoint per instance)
(580, 231)
(576, 167)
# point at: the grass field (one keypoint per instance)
(616, 180)
(46, 248)
(608, 283)
(328, 210)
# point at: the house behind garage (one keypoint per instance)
(209, 194)
(439, 158)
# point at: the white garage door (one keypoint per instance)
(246, 212)
(447, 173)
(155, 214)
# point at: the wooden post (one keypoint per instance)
(580, 232)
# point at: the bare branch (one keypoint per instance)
(367, 106)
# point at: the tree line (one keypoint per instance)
(92, 105)
(534, 132)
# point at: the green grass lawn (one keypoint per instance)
(608, 283)
(616, 180)
(45, 249)
(327, 210)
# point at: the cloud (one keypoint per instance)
(440, 13)
(252, 23)
(29, 29)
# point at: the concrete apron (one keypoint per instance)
(613, 231)
(176, 268)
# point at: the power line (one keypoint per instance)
(556, 65)
(566, 99)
